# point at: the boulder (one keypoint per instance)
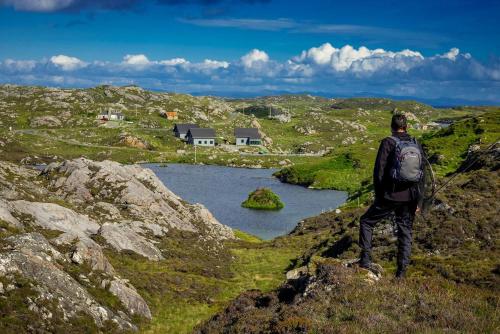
(124, 236)
(55, 217)
(129, 297)
(7, 217)
(134, 142)
(88, 251)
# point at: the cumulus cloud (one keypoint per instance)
(362, 60)
(254, 58)
(139, 60)
(67, 63)
(209, 64)
(323, 69)
(174, 62)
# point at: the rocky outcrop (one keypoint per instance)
(129, 297)
(55, 217)
(134, 142)
(45, 121)
(94, 206)
(125, 236)
(136, 191)
(52, 283)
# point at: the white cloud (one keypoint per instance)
(20, 65)
(174, 62)
(453, 53)
(139, 60)
(320, 55)
(209, 64)
(67, 63)
(362, 60)
(38, 5)
(254, 58)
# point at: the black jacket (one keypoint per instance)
(385, 187)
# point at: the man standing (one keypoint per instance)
(397, 180)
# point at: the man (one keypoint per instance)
(394, 193)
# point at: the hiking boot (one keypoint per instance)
(400, 274)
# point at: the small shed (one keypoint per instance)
(181, 130)
(201, 137)
(247, 136)
(172, 115)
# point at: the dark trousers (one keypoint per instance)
(405, 214)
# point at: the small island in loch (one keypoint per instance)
(263, 199)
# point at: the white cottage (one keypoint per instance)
(201, 137)
(247, 136)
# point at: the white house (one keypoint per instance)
(201, 137)
(247, 136)
(181, 129)
(111, 116)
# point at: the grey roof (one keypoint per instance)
(201, 133)
(184, 127)
(252, 133)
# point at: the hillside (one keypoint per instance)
(452, 285)
(50, 124)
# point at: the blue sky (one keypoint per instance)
(431, 50)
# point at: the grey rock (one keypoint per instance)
(85, 250)
(53, 283)
(297, 273)
(7, 217)
(34, 244)
(129, 297)
(55, 217)
(124, 236)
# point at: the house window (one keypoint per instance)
(211, 142)
(205, 142)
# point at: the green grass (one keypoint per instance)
(449, 146)
(180, 296)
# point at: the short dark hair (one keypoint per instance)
(398, 122)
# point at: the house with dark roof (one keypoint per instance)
(111, 116)
(181, 130)
(201, 137)
(247, 136)
(116, 116)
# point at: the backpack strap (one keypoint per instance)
(396, 139)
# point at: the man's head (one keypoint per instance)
(398, 122)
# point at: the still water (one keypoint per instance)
(222, 189)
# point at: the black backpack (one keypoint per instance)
(407, 165)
